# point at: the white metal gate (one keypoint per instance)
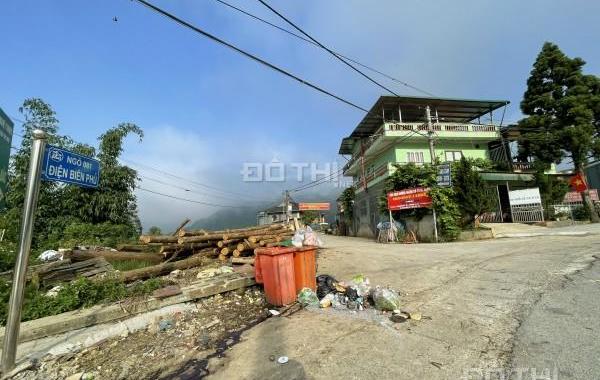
(526, 205)
(528, 213)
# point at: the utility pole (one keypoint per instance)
(11, 332)
(287, 204)
(432, 154)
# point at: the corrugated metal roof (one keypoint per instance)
(413, 110)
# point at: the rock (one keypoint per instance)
(54, 291)
(75, 376)
(386, 299)
(167, 291)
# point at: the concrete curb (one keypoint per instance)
(536, 234)
(57, 324)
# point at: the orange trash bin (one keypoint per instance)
(305, 268)
(276, 269)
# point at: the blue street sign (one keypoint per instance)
(444, 176)
(60, 165)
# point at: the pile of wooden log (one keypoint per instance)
(222, 244)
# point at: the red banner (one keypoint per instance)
(417, 197)
(577, 183)
(323, 206)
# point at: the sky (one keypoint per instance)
(206, 110)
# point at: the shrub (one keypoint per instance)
(581, 213)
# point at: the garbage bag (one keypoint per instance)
(351, 293)
(307, 297)
(298, 238)
(311, 238)
(325, 285)
(385, 299)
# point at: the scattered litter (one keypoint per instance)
(399, 317)
(274, 312)
(436, 364)
(54, 291)
(272, 358)
(51, 255)
(176, 273)
(385, 299)
(307, 297)
(327, 300)
(282, 360)
(212, 272)
(327, 284)
(165, 325)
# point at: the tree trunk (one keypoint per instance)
(165, 268)
(180, 227)
(587, 200)
(158, 239)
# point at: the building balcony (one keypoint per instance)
(413, 132)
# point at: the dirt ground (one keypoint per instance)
(473, 296)
(476, 295)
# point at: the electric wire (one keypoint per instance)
(370, 68)
(326, 48)
(190, 200)
(200, 31)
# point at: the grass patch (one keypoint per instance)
(80, 293)
(124, 266)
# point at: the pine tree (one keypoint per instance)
(563, 113)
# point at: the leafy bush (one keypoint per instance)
(581, 213)
(103, 234)
(8, 252)
(77, 294)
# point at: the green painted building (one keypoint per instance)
(396, 131)
(6, 132)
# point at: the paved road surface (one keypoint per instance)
(493, 305)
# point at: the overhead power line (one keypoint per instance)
(326, 48)
(189, 200)
(246, 54)
(370, 68)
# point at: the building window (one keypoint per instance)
(453, 155)
(416, 157)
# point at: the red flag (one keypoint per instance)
(577, 183)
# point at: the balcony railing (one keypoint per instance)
(378, 172)
(407, 127)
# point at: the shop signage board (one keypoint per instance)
(406, 199)
(6, 133)
(322, 206)
(524, 196)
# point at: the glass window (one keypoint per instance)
(453, 155)
(416, 157)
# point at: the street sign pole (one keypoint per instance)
(11, 332)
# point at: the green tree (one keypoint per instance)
(563, 113)
(470, 191)
(66, 213)
(308, 217)
(443, 199)
(154, 231)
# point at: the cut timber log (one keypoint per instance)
(249, 234)
(243, 260)
(81, 255)
(134, 248)
(223, 232)
(258, 237)
(147, 239)
(246, 245)
(225, 243)
(185, 247)
(165, 268)
(200, 238)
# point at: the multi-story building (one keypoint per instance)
(397, 131)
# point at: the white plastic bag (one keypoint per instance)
(298, 238)
(51, 255)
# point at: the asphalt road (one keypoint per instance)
(491, 306)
